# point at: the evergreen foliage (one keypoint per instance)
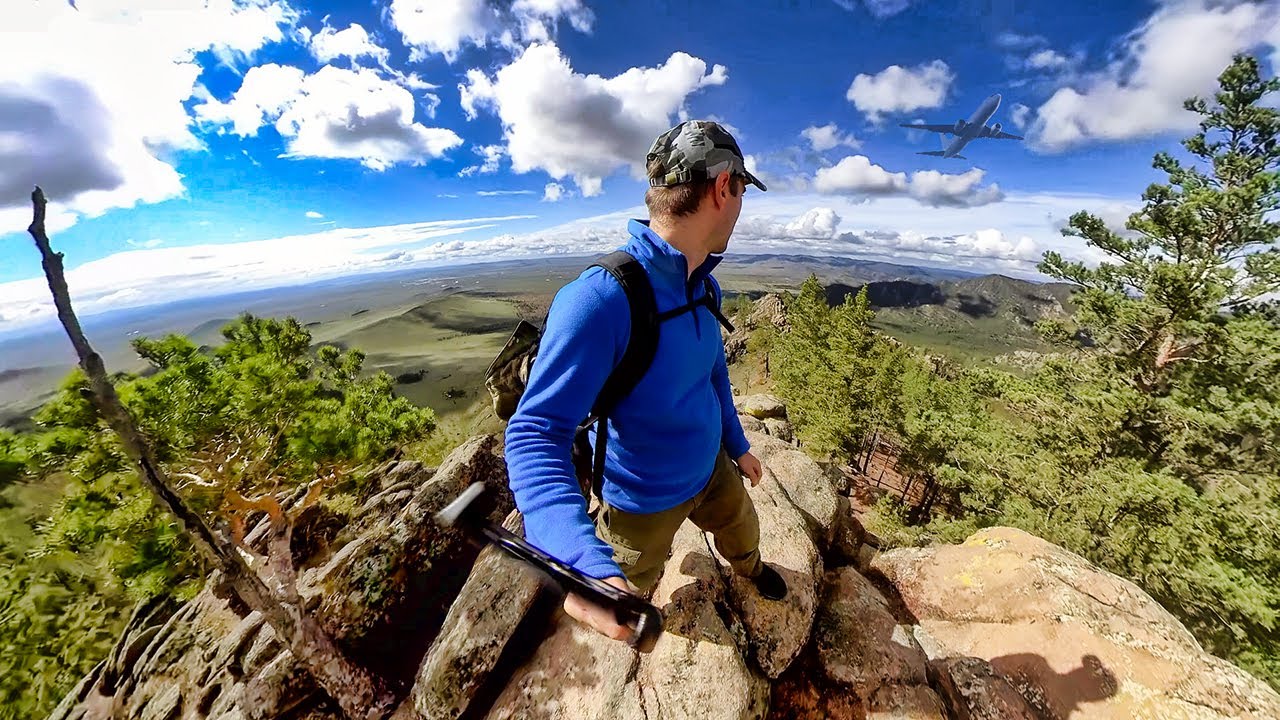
(1151, 446)
(261, 413)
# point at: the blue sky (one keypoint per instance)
(198, 146)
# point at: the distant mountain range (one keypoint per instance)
(854, 268)
(979, 314)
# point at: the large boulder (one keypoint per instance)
(779, 629)
(804, 483)
(1075, 641)
(699, 668)
(761, 406)
(479, 629)
(859, 643)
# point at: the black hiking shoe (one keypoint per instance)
(770, 583)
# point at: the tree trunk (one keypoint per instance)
(871, 449)
(359, 693)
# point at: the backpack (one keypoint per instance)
(508, 374)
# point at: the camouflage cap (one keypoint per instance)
(697, 150)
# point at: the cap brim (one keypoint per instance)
(754, 180)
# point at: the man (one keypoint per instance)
(675, 447)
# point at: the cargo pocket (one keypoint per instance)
(623, 554)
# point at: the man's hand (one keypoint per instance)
(597, 618)
(750, 467)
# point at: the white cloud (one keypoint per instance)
(314, 215)
(332, 113)
(353, 42)
(1018, 41)
(879, 8)
(829, 136)
(886, 8)
(858, 177)
(145, 244)
(820, 231)
(1141, 92)
(492, 155)
(150, 276)
(1019, 116)
(553, 192)
(444, 27)
(91, 99)
(583, 126)
(819, 222)
(1048, 59)
(493, 193)
(936, 189)
(899, 89)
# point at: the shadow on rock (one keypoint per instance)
(1058, 695)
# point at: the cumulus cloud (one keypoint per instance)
(492, 155)
(857, 176)
(444, 27)
(819, 222)
(353, 42)
(818, 231)
(583, 126)
(91, 99)
(828, 136)
(937, 189)
(899, 89)
(1048, 59)
(553, 192)
(1141, 92)
(332, 113)
(314, 215)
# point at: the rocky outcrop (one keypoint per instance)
(1004, 626)
(770, 310)
(381, 585)
(1073, 640)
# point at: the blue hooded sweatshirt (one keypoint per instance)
(663, 437)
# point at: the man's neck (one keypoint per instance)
(690, 241)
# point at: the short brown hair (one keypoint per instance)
(677, 200)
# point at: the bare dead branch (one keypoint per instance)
(357, 692)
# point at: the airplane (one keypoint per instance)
(967, 130)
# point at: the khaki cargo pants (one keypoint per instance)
(641, 542)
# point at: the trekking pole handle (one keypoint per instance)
(629, 609)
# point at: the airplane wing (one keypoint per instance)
(1002, 135)
(949, 129)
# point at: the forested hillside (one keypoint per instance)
(1150, 443)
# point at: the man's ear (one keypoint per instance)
(724, 187)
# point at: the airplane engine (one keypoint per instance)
(959, 127)
(995, 128)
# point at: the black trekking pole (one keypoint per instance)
(467, 513)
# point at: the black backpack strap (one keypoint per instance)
(642, 345)
(714, 292)
(710, 298)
